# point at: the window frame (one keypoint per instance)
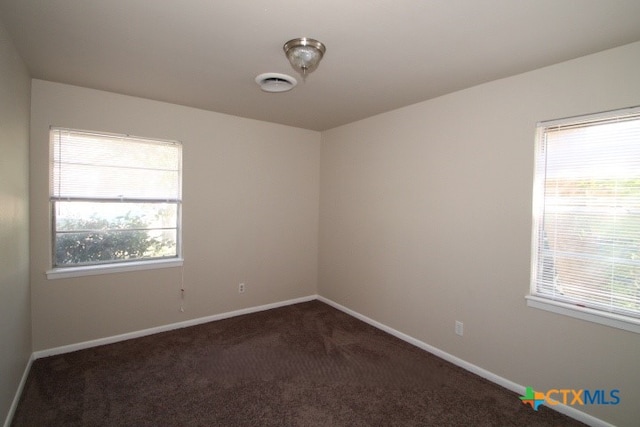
(113, 266)
(536, 299)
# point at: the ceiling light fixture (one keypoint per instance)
(304, 54)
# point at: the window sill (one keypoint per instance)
(93, 270)
(603, 318)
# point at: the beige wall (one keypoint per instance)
(15, 312)
(425, 218)
(250, 214)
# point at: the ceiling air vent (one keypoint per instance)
(276, 82)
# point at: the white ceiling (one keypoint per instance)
(381, 54)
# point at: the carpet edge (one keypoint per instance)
(488, 375)
(16, 397)
(165, 328)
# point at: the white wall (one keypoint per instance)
(15, 314)
(425, 219)
(250, 214)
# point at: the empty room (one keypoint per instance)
(356, 212)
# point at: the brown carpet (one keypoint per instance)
(302, 365)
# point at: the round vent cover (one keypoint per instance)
(276, 82)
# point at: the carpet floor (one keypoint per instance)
(302, 365)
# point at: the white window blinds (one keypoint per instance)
(586, 234)
(113, 167)
(99, 166)
(114, 198)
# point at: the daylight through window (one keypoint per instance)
(586, 236)
(114, 198)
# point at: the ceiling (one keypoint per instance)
(381, 54)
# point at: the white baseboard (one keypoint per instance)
(16, 398)
(501, 381)
(510, 385)
(137, 334)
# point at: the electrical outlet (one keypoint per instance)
(459, 328)
(241, 288)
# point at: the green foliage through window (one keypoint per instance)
(95, 240)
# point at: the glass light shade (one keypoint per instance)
(304, 54)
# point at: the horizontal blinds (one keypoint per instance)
(587, 246)
(89, 166)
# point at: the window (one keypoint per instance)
(115, 199)
(586, 228)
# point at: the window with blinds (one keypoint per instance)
(586, 228)
(114, 198)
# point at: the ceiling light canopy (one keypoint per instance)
(304, 54)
